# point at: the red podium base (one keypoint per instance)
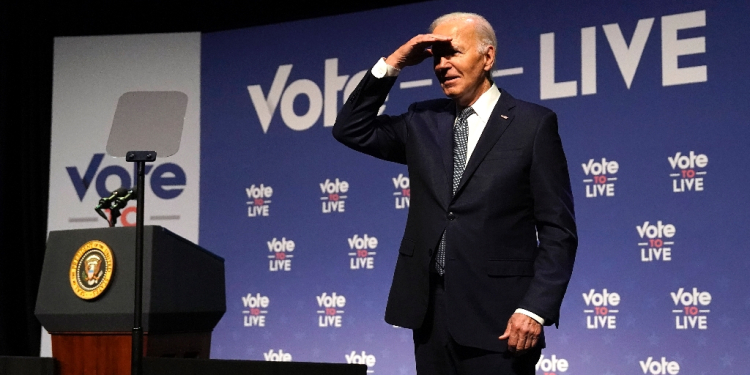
(108, 353)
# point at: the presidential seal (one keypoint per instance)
(91, 269)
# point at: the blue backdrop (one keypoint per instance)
(652, 103)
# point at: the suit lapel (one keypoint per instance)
(502, 115)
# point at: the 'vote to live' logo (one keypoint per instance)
(659, 367)
(552, 365)
(403, 191)
(361, 252)
(602, 316)
(656, 241)
(330, 312)
(690, 168)
(361, 359)
(259, 197)
(255, 310)
(692, 315)
(272, 356)
(333, 195)
(601, 183)
(280, 257)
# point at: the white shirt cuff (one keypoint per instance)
(531, 315)
(381, 69)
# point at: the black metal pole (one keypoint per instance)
(137, 344)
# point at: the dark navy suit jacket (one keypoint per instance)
(515, 186)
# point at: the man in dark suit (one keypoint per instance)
(490, 238)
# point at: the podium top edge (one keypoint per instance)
(146, 228)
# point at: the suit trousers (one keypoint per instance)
(436, 353)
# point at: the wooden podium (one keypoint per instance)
(183, 298)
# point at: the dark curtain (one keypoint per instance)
(25, 111)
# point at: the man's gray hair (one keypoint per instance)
(483, 28)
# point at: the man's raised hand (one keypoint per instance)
(415, 50)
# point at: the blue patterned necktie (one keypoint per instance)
(460, 143)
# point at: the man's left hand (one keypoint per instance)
(522, 333)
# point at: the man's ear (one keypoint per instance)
(489, 58)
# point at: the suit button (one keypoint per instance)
(429, 252)
(451, 216)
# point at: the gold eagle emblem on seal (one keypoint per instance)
(91, 269)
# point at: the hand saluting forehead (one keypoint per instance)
(415, 50)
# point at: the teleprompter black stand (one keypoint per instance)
(140, 158)
(145, 120)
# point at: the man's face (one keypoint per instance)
(459, 67)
